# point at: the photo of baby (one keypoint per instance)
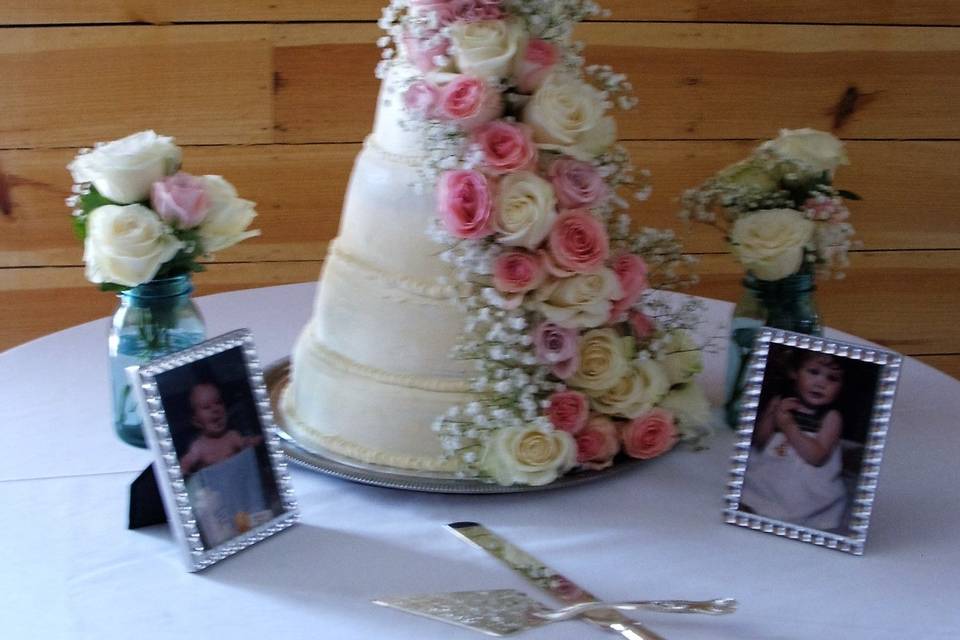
(219, 441)
(807, 445)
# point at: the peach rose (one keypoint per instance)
(506, 147)
(650, 435)
(469, 101)
(465, 204)
(569, 411)
(515, 273)
(578, 242)
(597, 443)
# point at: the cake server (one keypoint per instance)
(502, 612)
(549, 581)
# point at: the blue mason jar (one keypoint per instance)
(153, 319)
(786, 304)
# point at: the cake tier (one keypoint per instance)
(365, 413)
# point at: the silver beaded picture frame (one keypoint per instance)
(773, 488)
(219, 466)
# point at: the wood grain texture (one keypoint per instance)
(299, 190)
(919, 12)
(254, 84)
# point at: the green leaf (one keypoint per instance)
(848, 195)
(93, 200)
(79, 224)
(113, 287)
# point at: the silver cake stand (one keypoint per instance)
(334, 464)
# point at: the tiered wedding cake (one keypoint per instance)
(484, 310)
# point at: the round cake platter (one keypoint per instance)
(330, 463)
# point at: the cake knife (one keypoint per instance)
(548, 580)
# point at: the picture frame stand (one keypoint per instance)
(146, 504)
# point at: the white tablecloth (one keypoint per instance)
(71, 569)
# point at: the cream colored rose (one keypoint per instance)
(228, 218)
(125, 169)
(126, 245)
(751, 176)
(568, 114)
(770, 244)
(818, 150)
(487, 48)
(580, 302)
(526, 209)
(527, 455)
(689, 405)
(604, 360)
(682, 357)
(636, 393)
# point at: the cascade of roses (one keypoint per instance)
(527, 199)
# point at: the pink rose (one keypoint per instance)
(631, 271)
(569, 411)
(469, 101)
(478, 10)
(506, 147)
(536, 63)
(597, 443)
(557, 346)
(180, 200)
(650, 435)
(444, 10)
(517, 272)
(424, 51)
(642, 326)
(577, 184)
(578, 242)
(823, 208)
(465, 204)
(421, 98)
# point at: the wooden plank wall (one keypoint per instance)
(277, 95)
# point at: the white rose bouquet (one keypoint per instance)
(140, 218)
(779, 209)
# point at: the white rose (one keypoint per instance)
(820, 151)
(568, 115)
(682, 357)
(636, 393)
(527, 455)
(228, 218)
(125, 169)
(770, 243)
(689, 405)
(486, 49)
(526, 209)
(604, 360)
(582, 301)
(751, 176)
(126, 244)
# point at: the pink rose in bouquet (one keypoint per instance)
(577, 184)
(421, 98)
(478, 10)
(578, 243)
(506, 146)
(470, 102)
(641, 325)
(424, 51)
(650, 435)
(465, 204)
(517, 272)
(631, 271)
(569, 411)
(597, 443)
(444, 10)
(559, 347)
(180, 200)
(535, 64)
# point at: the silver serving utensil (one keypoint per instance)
(550, 581)
(503, 612)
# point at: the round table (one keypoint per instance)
(71, 569)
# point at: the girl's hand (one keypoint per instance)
(785, 418)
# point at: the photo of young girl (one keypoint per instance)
(219, 441)
(808, 439)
